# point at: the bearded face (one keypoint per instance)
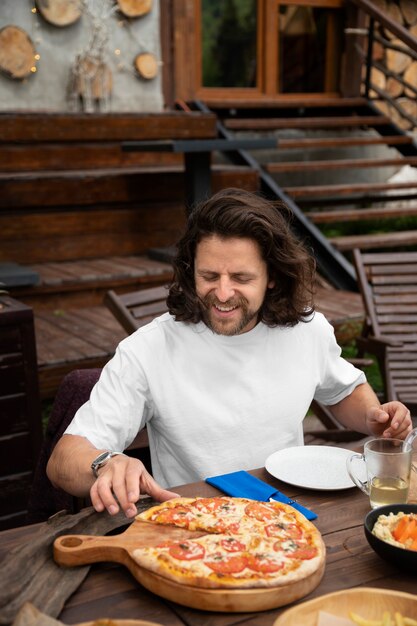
(231, 280)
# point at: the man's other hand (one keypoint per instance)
(390, 420)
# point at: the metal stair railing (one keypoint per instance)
(376, 19)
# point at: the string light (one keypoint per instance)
(36, 33)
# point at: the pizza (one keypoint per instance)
(241, 543)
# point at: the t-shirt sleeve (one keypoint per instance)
(118, 406)
(338, 377)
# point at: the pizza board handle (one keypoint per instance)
(73, 550)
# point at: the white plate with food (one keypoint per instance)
(311, 467)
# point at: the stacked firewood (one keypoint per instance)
(394, 72)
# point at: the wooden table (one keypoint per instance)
(110, 591)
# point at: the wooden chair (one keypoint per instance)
(136, 309)
(388, 283)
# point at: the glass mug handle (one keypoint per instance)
(359, 483)
(408, 443)
(409, 440)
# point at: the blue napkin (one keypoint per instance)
(243, 485)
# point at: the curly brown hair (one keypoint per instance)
(238, 213)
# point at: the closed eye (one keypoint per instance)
(242, 278)
(209, 277)
(238, 278)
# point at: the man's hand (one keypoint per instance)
(119, 484)
(362, 411)
(390, 420)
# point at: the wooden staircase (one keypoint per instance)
(326, 152)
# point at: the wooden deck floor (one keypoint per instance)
(71, 339)
(87, 337)
(69, 284)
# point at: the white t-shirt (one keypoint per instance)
(212, 403)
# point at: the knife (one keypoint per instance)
(241, 484)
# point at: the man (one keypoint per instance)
(226, 377)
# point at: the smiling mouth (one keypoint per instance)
(225, 309)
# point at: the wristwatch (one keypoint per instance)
(101, 460)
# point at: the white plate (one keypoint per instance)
(312, 467)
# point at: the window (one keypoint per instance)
(228, 49)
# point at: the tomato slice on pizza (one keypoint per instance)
(227, 563)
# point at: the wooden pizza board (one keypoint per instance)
(70, 550)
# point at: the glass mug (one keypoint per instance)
(388, 464)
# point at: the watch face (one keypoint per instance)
(101, 457)
(102, 460)
(99, 461)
